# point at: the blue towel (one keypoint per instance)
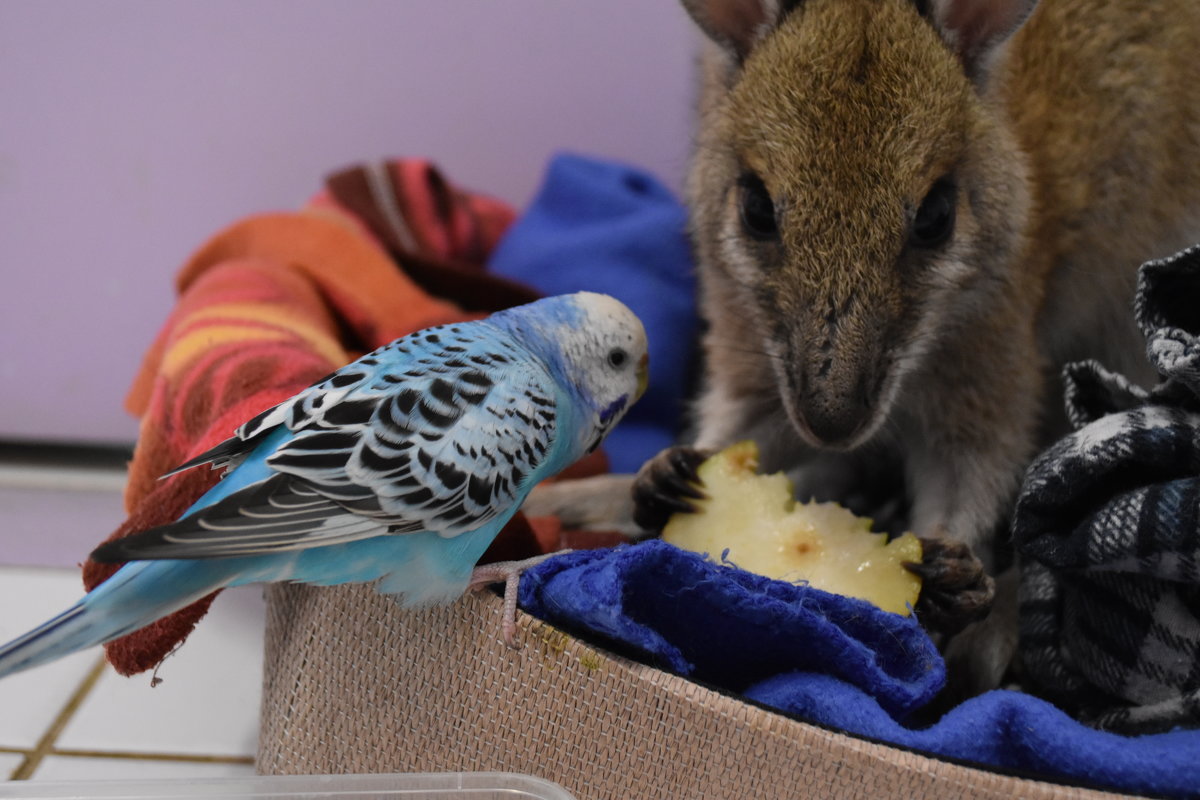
(1010, 730)
(605, 227)
(729, 627)
(832, 660)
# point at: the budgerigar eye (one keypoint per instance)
(617, 358)
(934, 221)
(756, 208)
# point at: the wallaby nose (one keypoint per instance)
(834, 381)
(836, 406)
(834, 421)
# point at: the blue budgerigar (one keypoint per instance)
(398, 469)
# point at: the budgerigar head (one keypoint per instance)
(599, 346)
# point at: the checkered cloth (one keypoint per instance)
(1108, 529)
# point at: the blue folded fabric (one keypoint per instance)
(606, 227)
(1010, 730)
(732, 628)
(832, 660)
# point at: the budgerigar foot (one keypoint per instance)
(667, 484)
(508, 573)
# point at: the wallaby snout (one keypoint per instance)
(828, 420)
(835, 380)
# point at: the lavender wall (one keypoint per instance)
(130, 130)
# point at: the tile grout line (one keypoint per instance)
(13, 751)
(40, 750)
(132, 755)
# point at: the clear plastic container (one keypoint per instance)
(414, 786)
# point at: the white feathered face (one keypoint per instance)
(608, 354)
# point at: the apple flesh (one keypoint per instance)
(758, 521)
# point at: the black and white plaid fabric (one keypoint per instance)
(1107, 527)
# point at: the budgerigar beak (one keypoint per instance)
(643, 376)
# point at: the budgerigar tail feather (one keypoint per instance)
(137, 595)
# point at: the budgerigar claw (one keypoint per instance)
(508, 573)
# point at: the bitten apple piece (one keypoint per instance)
(756, 518)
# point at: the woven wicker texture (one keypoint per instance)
(355, 684)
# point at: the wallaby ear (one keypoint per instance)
(975, 28)
(736, 25)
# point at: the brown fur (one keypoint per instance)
(1074, 163)
(1075, 147)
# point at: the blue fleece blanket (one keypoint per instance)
(832, 660)
(605, 227)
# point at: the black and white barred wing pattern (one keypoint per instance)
(445, 446)
(440, 431)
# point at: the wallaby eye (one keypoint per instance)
(934, 221)
(617, 358)
(757, 209)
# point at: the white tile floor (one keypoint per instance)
(201, 721)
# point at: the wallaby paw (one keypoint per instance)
(665, 485)
(598, 503)
(955, 589)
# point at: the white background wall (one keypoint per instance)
(131, 130)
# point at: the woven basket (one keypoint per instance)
(354, 684)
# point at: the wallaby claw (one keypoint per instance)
(955, 590)
(665, 485)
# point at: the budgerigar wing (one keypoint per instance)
(441, 431)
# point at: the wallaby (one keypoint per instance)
(907, 216)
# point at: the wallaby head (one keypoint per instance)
(856, 189)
